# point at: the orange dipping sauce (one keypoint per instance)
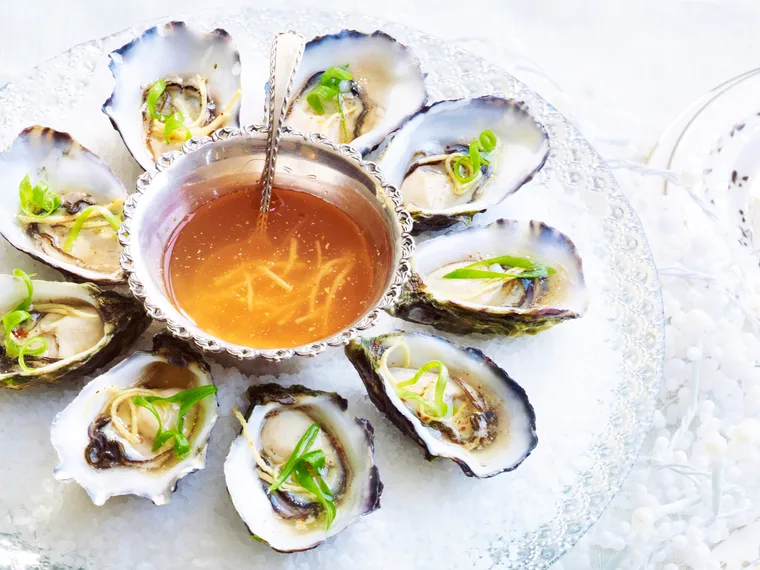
(310, 275)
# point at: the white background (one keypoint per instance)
(624, 68)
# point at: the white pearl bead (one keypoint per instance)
(715, 445)
(680, 542)
(642, 520)
(693, 353)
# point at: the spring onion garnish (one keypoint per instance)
(516, 268)
(438, 408)
(307, 474)
(154, 94)
(172, 122)
(303, 445)
(186, 400)
(37, 201)
(113, 219)
(464, 168)
(35, 346)
(12, 320)
(333, 83)
(175, 122)
(307, 468)
(488, 140)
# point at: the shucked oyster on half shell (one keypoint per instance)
(111, 445)
(53, 166)
(383, 87)
(83, 327)
(291, 518)
(201, 88)
(420, 158)
(453, 401)
(502, 302)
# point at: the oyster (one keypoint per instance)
(291, 517)
(428, 158)
(444, 291)
(453, 401)
(172, 83)
(356, 88)
(81, 328)
(121, 434)
(62, 205)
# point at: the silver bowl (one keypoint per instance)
(185, 179)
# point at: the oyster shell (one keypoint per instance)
(80, 179)
(387, 87)
(84, 326)
(291, 520)
(414, 158)
(108, 461)
(202, 76)
(510, 307)
(489, 425)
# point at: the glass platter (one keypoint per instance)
(593, 382)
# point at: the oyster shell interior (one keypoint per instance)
(290, 518)
(189, 97)
(490, 250)
(106, 441)
(510, 277)
(386, 87)
(422, 156)
(74, 237)
(455, 402)
(81, 326)
(194, 79)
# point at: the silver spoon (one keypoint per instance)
(284, 59)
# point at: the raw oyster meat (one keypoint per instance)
(62, 205)
(110, 439)
(173, 83)
(369, 84)
(422, 156)
(290, 517)
(453, 401)
(495, 299)
(82, 327)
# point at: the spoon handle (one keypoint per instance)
(284, 60)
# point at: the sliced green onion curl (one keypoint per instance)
(306, 468)
(15, 318)
(328, 89)
(317, 97)
(27, 350)
(334, 75)
(27, 279)
(479, 269)
(462, 165)
(111, 218)
(475, 156)
(10, 321)
(155, 92)
(34, 346)
(310, 479)
(488, 140)
(303, 445)
(186, 399)
(175, 122)
(38, 201)
(438, 408)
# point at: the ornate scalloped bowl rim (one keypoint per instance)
(212, 344)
